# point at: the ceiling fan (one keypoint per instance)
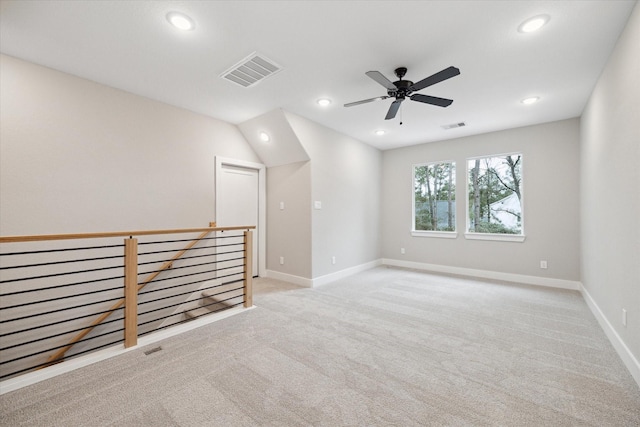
(405, 88)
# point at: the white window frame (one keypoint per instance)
(431, 233)
(499, 237)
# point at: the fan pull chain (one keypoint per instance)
(401, 114)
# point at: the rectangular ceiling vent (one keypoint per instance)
(454, 125)
(251, 70)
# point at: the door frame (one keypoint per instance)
(262, 203)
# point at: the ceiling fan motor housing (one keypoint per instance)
(403, 88)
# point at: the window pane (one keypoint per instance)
(495, 194)
(434, 197)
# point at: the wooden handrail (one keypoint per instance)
(59, 354)
(40, 238)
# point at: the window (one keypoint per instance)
(434, 203)
(495, 196)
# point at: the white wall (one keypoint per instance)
(610, 196)
(289, 229)
(550, 198)
(77, 156)
(345, 178)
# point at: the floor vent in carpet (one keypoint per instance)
(153, 350)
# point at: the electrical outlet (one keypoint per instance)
(624, 317)
(333, 260)
(281, 206)
(543, 265)
(281, 260)
(402, 250)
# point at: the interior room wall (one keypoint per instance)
(550, 198)
(289, 227)
(610, 196)
(345, 179)
(78, 156)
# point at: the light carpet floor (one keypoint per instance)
(386, 347)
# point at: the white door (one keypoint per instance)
(237, 201)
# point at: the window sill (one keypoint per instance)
(495, 237)
(437, 234)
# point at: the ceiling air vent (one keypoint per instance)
(251, 70)
(454, 125)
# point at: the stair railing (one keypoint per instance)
(27, 322)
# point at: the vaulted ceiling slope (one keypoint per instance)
(324, 48)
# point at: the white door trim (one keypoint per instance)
(262, 204)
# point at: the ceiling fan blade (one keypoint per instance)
(380, 78)
(440, 102)
(365, 101)
(445, 74)
(393, 110)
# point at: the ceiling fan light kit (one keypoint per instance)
(402, 89)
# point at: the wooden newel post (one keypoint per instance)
(130, 292)
(248, 268)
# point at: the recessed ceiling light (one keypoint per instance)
(181, 21)
(264, 137)
(533, 24)
(323, 102)
(379, 132)
(531, 100)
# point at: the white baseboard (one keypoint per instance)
(621, 348)
(107, 353)
(328, 278)
(296, 280)
(486, 274)
(332, 277)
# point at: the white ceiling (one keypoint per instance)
(325, 48)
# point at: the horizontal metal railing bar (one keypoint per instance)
(47, 237)
(63, 297)
(173, 250)
(191, 266)
(157, 242)
(173, 296)
(181, 285)
(60, 309)
(224, 300)
(46, 251)
(163, 298)
(68, 261)
(197, 256)
(187, 266)
(61, 286)
(48, 363)
(62, 321)
(56, 299)
(206, 247)
(177, 277)
(231, 275)
(175, 314)
(55, 335)
(55, 348)
(140, 254)
(66, 273)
